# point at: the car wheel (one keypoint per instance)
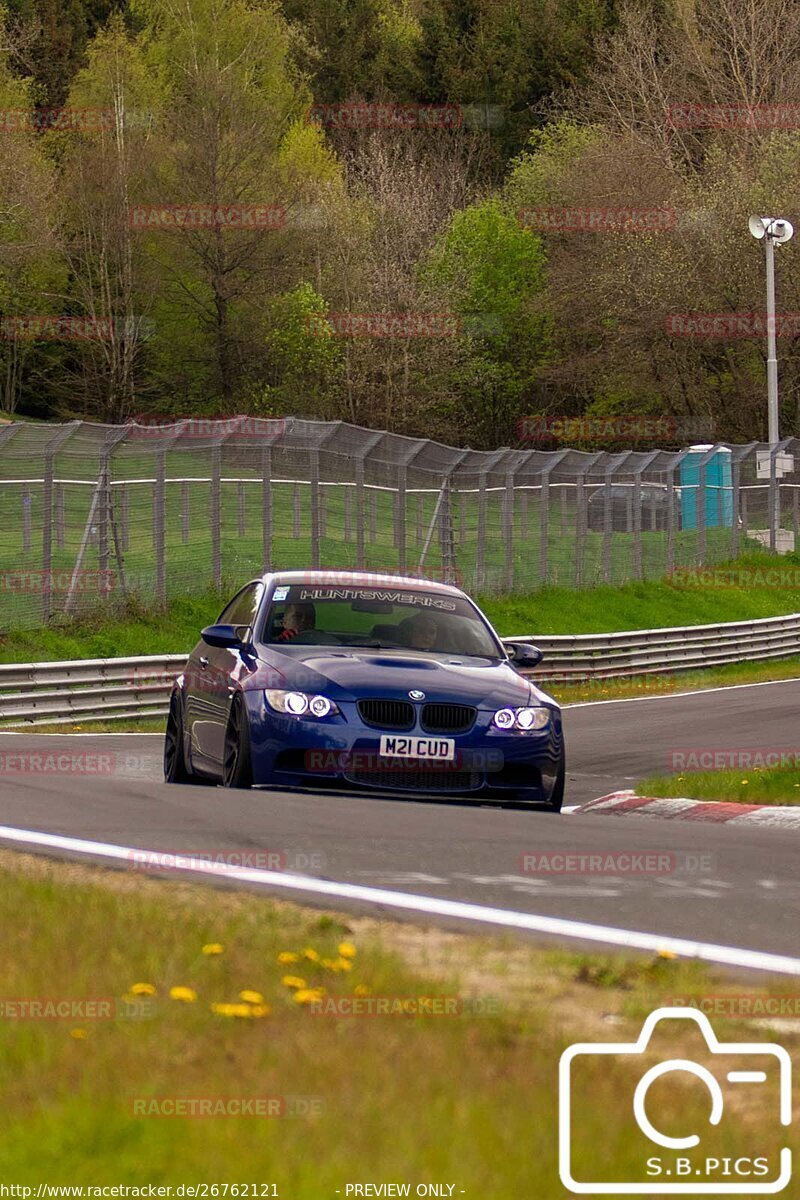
(237, 769)
(175, 769)
(557, 794)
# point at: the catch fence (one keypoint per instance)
(93, 514)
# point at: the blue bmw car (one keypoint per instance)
(321, 679)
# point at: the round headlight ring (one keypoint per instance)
(320, 706)
(504, 718)
(296, 703)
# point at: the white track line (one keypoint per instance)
(507, 918)
(728, 687)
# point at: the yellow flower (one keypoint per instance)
(309, 995)
(251, 997)
(329, 964)
(347, 950)
(286, 957)
(745, 781)
(361, 989)
(293, 981)
(213, 948)
(260, 1010)
(343, 964)
(232, 1010)
(310, 954)
(80, 1035)
(664, 953)
(143, 989)
(187, 994)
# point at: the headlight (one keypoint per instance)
(298, 704)
(524, 719)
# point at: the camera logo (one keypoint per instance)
(644, 1160)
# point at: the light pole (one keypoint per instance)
(775, 231)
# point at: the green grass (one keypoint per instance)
(468, 1099)
(140, 629)
(745, 785)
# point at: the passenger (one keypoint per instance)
(297, 618)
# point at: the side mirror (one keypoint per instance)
(226, 636)
(524, 654)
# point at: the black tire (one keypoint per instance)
(557, 794)
(175, 769)
(237, 767)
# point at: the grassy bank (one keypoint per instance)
(746, 785)
(744, 594)
(467, 1096)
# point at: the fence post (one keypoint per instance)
(159, 525)
(607, 524)
(480, 547)
(184, 512)
(508, 530)
(359, 513)
(400, 518)
(266, 508)
(581, 522)
(26, 518)
(47, 536)
(124, 517)
(48, 495)
(240, 509)
(315, 522)
(347, 502)
(296, 511)
(216, 515)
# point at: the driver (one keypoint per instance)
(422, 632)
(296, 619)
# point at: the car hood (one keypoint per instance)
(349, 675)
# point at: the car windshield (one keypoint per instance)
(377, 618)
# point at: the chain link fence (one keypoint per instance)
(93, 514)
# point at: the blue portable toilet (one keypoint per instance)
(718, 499)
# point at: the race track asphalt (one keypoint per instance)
(731, 885)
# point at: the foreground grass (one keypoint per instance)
(746, 785)
(468, 1099)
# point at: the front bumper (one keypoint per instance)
(343, 752)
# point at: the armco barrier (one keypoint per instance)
(112, 689)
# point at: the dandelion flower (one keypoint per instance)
(361, 989)
(347, 950)
(343, 964)
(293, 981)
(260, 1010)
(286, 957)
(213, 948)
(187, 994)
(308, 995)
(232, 1010)
(251, 997)
(142, 989)
(310, 954)
(80, 1035)
(668, 954)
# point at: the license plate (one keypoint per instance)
(438, 749)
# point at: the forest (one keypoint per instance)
(459, 219)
